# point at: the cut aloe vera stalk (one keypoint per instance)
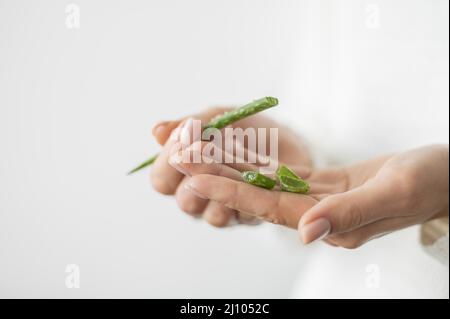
(148, 162)
(286, 171)
(291, 182)
(257, 179)
(293, 185)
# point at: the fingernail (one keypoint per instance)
(315, 230)
(185, 136)
(190, 188)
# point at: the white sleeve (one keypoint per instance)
(435, 239)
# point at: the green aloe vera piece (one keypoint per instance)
(241, 113)
(291, 182)
(226, 119)
(257, 179)
(286, 171)
(293, 185)
(148, 162)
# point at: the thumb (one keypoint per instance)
(345, 212)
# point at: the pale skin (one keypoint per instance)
(346, 207)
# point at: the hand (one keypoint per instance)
(346, 206)
(168, 180)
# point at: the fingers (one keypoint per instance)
(188, 202)
(218, 215)
(163, 177)
(276, 207)
(186, 164)
(233, 170)
(190, 168)
(347, 211)
(214, 213)
(193, 169)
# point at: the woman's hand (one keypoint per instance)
(168, 180)
(346, 206)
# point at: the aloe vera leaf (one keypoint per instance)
(286, 171)
(148, 162)
(257, 179)
(242, 112)
(293, 185)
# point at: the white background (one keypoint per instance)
(77, 107)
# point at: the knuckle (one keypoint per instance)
(217, 219)
(161, 185)
(275, 204)
(271, 212)
(233, 198)
(187, 203)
